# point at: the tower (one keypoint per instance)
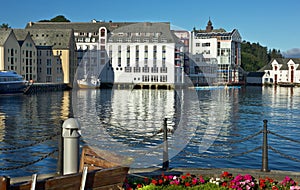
(209, 26)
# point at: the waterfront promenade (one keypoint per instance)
(215, 172)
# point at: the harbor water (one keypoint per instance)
(208, 127)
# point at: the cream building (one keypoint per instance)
(56, 55)
(28, 55)
(9, 51)
(18, 53)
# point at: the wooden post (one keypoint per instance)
(5, 183)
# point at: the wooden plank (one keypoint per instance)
(106, 177)
(4, 184)
(101, 158)
(83, 178)
(33, 183)
(71, 181)
(109, 176)
(97, 162)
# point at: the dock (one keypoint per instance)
(45, 87)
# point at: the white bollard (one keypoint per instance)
(70, 134)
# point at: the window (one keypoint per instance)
(145, 78)
(163, 70)
(102, 32)
(154, 78)
(197, 44)
(163, 78)
(207, 44)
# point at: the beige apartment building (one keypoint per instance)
(40, 55)
(28, 55)
(56, 50)
(9, 51)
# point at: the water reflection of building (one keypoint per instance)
(2, 126)
(281, 96)
(142, 110)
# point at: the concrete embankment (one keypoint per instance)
(45, 87)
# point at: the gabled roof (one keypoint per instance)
(130, 31)
(281, 61)
(77, 26)
(57, 38)
(4, 34)
(21, 35)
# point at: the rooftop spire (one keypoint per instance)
(209, 26)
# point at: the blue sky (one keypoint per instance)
(271, 23)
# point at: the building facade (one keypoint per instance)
(28, 55)
(282, 71)
(221, 46)
(9, 51)
(56, 54)
(145, 54)
(18, 53)
(126, 53)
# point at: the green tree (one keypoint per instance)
(59, 18)
(4, 25)
(255, 56)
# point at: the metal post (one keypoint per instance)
(165, 151)
(60, 151)
(71, 146)
(265, 167)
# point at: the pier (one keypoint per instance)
(45, 87)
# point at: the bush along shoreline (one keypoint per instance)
(224, 182)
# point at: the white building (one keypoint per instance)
(282, 71)
(143, 53)
(146, 54)
(222, 46)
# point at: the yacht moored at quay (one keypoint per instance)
(11, 82)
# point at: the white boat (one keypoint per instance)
(11, 82)
(88, 71)
(89, 82)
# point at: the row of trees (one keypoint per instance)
(254, 56)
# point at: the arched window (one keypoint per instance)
(102, 32)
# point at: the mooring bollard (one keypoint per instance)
(165, 151)
(71, 137)
(265, 167)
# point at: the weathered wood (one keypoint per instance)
(110, 175)
(4, 184)
(97, 159)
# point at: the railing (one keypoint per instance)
(21, 147)
(264, 147)
(68, 147)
